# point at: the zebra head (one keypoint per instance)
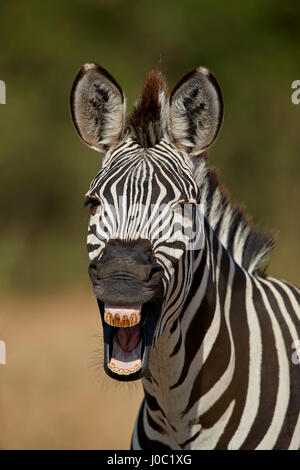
(145, 223)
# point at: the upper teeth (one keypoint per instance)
(122, 320)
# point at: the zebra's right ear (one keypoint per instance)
(98, 107)
(196, 111)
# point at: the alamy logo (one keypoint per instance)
(296, 354)
(2, 92)
(296, 95)
(2, 352)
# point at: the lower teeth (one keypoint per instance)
(121, 371)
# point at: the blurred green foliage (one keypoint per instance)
(253, 49)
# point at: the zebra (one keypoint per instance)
(204, 327)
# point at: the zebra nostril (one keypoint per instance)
(156, 272)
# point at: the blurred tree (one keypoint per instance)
(252, 47)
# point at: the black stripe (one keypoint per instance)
(177, 347)
(154, 425)
(152, 403)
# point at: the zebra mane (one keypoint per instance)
(148, 120)
(248, 246)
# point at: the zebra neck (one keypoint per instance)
(192, 354)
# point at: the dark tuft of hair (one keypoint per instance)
(147, 122)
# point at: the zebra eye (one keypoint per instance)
(93, 209)
(93, 202)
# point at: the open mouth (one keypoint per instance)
(128, 335)
(127, 340)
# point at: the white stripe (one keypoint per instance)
(239, 242)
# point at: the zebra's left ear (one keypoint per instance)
(196, 111)
(98, 107)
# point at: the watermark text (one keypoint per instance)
(2, 352)
(295, 97)
(2, 92)
(296, 353)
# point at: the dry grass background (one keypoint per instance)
(53, 391)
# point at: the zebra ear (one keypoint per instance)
(97, 107)
(196, 111)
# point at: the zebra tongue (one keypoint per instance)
(126, 351)
(129, 338)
